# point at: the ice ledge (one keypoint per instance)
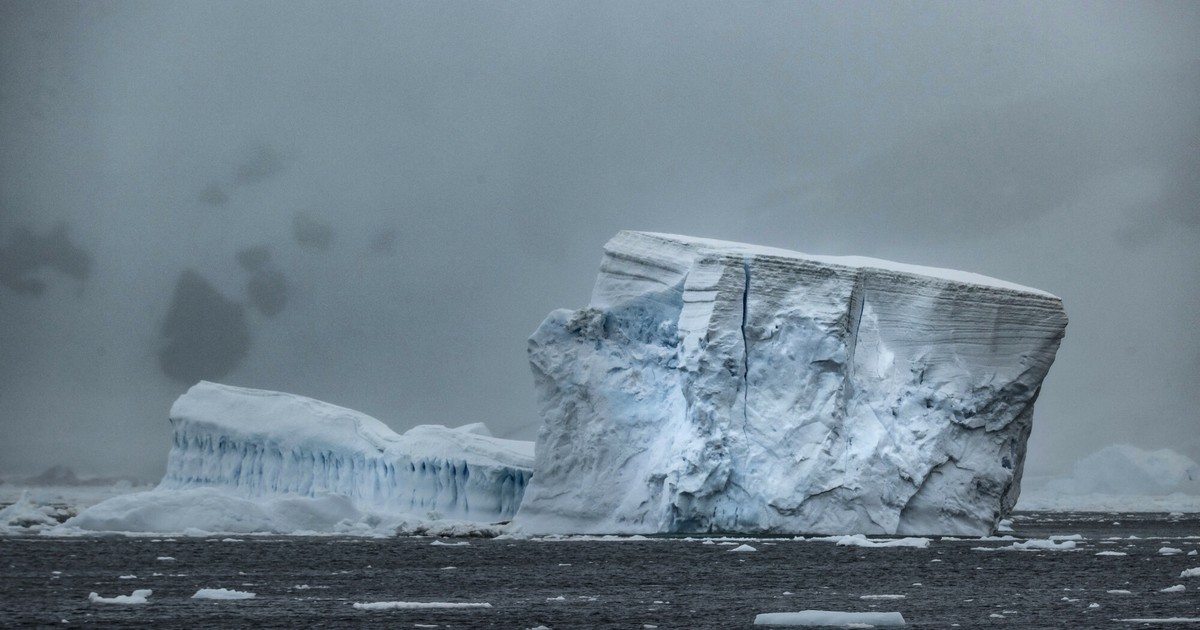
(261, 443)
(853, 262)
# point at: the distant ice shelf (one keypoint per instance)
(254, 460)
(721, 387)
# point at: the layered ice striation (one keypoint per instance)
(719, 387)
(259, 443)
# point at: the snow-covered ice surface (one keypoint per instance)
(1120, 478)
(830, 618)
(247, 460)
(137, 597)
(26, 514)
(222, 593)
(714, 386)
(418, 605)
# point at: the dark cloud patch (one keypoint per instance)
(262, 164)
(213, 195)
(205, 333)
(27, 253)
(312, 232)
(254, 258)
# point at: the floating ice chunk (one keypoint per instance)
(1061, 537)
(442, 543)
(1111, 553)
(1119, 591)
(222, 593)
(1178, 588)
(138, 597)
(127, 577)
(829, 618)
(1169, 551)
(1032, 545)
(859, 540)
(25, 514)
(885, 596)
(406, 605)
(1161, 620)
(165, 559)
(1190, 572)
(743, 549)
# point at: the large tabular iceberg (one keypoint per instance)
(255, 460)
(715, 386)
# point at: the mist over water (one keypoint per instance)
(375, 204)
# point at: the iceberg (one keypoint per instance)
(248, 460)
(1121, 478)
(713, 386)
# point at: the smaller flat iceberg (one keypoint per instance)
(830, 618)
(247, 460)
(1121, 478)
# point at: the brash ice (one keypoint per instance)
(720, 387)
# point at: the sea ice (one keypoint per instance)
(830, 618)
(1190, 572)
(1161, 620)
(1032, 545)
(138, 597)
(858, 540)
(222, 593)
(713, 386)
(418, 605)
(743, 549)
(26, 514)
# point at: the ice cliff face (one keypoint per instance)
(259, 443)
(715, 386)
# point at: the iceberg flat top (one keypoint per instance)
(294, 421)
(858, 262)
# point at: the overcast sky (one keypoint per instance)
(387, 198)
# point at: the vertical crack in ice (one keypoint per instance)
(854, 321)
(745, 341)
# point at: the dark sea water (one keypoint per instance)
(663, 582)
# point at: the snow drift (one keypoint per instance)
(251, 460)
(716, 386)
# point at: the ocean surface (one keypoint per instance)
(589, 583)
